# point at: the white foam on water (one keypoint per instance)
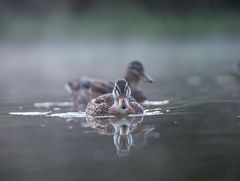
(69, 115)
(48, 105)
(155, 103)
(29, 113)
(147, 112)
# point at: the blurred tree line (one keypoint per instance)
(80, 6)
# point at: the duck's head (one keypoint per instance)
(135, 73)
(121, 92)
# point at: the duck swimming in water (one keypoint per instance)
(119, 102)
(85, 89)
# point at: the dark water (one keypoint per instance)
(196, 136)
(192, 139)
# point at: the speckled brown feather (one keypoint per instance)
(101, 105)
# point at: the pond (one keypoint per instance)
(190, 129)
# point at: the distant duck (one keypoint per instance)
(234, 70)
(229, 80)
(119, 102)
(85, 89)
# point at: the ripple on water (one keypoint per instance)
(57, 106)
(147, 112)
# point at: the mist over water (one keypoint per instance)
(45, 66)
(190, 127)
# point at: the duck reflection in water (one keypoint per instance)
(127, 132)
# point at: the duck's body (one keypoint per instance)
(119, 102)
(94, 88)
(104, 105)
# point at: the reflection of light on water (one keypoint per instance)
(69, 115)
(29, 113)
(58, 105)
(155, 103)
(48, 105)
(147, 112)
(152, 112)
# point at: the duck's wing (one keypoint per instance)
(96, 86)
(100, 105)
(76, 85)
(135, 105)
(73, 86)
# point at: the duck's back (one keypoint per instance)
(138, 109)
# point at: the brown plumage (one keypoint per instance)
(84, 89)
(119, 102)
(102, 105)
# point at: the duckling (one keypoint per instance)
(86, 88)
(119, 102)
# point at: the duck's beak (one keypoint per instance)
(146, 78)
(123, 102)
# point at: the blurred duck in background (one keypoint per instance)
(230, 81)
(84, 89)
(234, 71)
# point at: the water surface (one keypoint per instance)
(191, 140)
(195, 134)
